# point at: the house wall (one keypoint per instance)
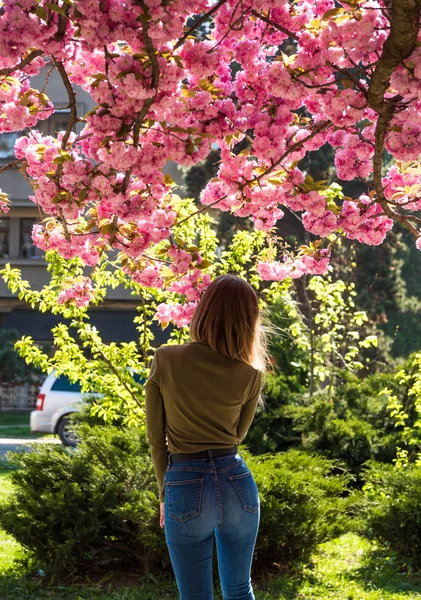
(16, 245)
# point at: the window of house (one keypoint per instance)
(27, 248)
(4, 238)
(51, 126)
(57, 122)
(7, 144)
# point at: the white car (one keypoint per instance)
(57, 399)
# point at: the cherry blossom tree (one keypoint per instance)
(173, 79)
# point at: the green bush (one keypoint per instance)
(392, 507)
(96, 507)
(304, 501)
(93, 508)
(354, 427)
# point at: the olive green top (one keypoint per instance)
(197, 399)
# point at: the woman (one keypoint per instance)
(202, 397)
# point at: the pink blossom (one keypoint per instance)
(179, 314)
(323, 225)
(80, 292)
(364, 221)
(108, 181)
(149, 277)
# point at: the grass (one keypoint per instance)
(12, 419)
(347, 568)
(17, 425)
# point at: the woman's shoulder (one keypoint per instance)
(172, 349)
(200, 349)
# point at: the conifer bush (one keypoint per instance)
(90, 509)
(392, 507)
(304, 501)
(96, 508)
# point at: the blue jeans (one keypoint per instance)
(207, 498)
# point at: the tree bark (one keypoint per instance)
(404, 27)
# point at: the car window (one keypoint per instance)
(62, 384)
(138, 378)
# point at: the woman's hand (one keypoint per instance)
(161, 515)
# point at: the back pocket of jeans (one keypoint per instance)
(246, 488)
(184, 498)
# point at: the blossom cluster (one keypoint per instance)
(302, 265)
(4, 203)
(165, 92)
(79, 290)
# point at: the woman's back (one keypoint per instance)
(204, 394)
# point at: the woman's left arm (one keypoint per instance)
(155, 425)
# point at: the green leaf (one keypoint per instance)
(332, 12)
(204, 264)
(83, 194)
(124, 130)
(58, 9)
(41, 12)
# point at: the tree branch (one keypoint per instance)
(350, 76)
(72, 101)
(149, 48)
(117, 374)
(404, 26)
(11, 165)
(405, 17)
(72, 121)
(275, 25)
(150, 51)
(201, 20)
(23, 63)
(318, 127)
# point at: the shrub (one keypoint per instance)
(354, 427)
(87, 509)
(392, 507)
(303, 503)
(96, 507)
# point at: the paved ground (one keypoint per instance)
(23, 444)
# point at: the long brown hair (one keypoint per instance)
(227, 318)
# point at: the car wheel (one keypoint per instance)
(66, 433)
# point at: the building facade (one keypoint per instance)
(114, 317)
